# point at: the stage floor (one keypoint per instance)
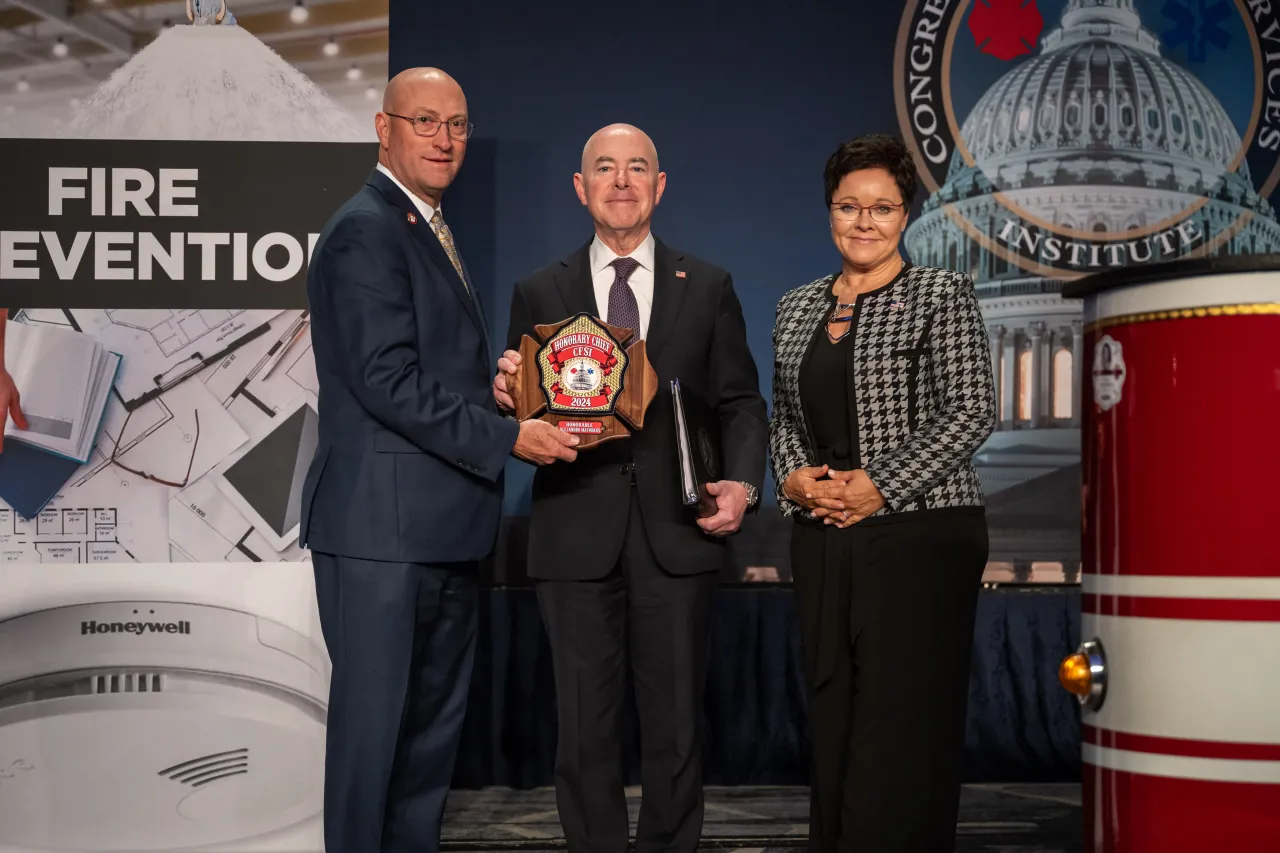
(1003, 818)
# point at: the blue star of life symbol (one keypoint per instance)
(1197, 24)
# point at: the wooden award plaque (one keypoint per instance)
(586, 377)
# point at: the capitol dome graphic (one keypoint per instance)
(1097, 151)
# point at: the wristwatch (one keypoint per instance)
(753, 494)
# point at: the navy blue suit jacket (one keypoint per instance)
(409, 465)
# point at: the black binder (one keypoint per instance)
(698, 457)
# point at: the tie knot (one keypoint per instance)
(624, 267)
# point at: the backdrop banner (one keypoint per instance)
(163, 678)
(129, 224)
(189, 261)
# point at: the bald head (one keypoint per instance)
(416, 83)
(608, 138)
(423, 131)
(620, 184)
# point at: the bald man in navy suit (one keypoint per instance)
(404, 495)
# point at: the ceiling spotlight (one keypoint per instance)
(371, 94)
(353, 73)
(60, 48)
(299, 14)
(22, 85)
(331, 47)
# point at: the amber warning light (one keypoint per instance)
(1084, 674)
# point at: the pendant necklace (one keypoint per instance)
(840, 308)
(833, 318)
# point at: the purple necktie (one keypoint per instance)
(624, 311)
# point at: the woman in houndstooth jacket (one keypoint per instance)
(882, 392)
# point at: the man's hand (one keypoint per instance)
(541, 443)
(798, 487)
(10, 404)
(731, 503)
(847, 498)
(507, 364)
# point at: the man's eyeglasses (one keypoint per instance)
(144, 475)
(459, 128)
(852, 212)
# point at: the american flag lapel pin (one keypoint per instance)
(413, 219)
(896, 305)
(681, 274)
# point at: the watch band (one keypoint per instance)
(753, 494)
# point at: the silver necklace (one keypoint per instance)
(833, 318)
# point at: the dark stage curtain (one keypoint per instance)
(1022, 725)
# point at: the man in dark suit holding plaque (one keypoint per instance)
(623, 567)
(404, 494)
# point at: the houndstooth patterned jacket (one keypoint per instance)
(924, 389)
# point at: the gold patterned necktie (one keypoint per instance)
(446, 240)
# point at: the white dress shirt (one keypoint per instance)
(641, 281)
(425, 209)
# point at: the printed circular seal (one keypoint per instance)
(1065, 137)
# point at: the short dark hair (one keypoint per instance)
(873, 151)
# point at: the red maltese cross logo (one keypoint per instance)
(1006, 29)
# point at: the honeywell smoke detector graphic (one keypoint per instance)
(158, 725)
(134, 627)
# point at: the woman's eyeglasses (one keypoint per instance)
(852, 212)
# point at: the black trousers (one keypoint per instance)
(886, 617)
(659, 624)
(402, 640)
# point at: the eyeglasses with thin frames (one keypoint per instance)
(115, 460)
(850, 212)
(459, 128)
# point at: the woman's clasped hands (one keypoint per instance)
(844, 499)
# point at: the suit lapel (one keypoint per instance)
(466, 271)
(668, 295)
(440, 258)
(573, 279)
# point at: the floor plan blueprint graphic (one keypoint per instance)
(172, 329)
(178, 436)
(44, 317)
(102, 515)
(199, 457)
(63, 535)
(163, 346)
(268, 373)
(204, 527)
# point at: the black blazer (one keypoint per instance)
(409, 465)
(696, 334)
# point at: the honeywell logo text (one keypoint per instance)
(140, 628)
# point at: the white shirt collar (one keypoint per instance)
(601, 255)
(424, 208)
